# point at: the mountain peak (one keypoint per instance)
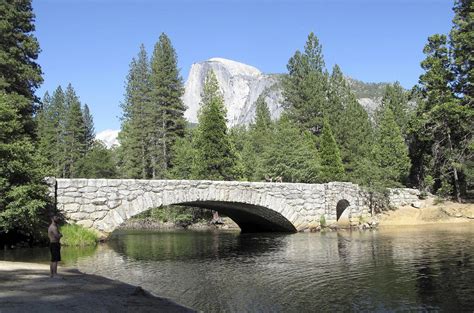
(236, 68)
(240, 84)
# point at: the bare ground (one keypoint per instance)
(27, 287)
(430, 212)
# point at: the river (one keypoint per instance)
(392, 269)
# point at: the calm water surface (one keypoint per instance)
(402, 269)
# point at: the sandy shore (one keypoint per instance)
(27, 287)
(430, 212)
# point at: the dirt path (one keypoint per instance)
(27, 287)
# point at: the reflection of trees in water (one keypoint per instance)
(194, 244)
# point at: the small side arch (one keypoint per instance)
(341, 206)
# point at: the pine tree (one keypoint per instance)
(182, 157)
(89, 135)
(462, 43)
(22, 194)
(395, 97)
(57, 147)
(215, 157)
(291, 154)
(390, 151)
(259, 138)
(331, 163)
(355, 137)
(339, 96)
(136, 124)
(167, 108)
(46, 132)
(75, 131)
(305, 88)
(444, 124)
(98, 162)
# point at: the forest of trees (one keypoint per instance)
(420, 138)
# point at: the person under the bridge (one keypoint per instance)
(54, 245)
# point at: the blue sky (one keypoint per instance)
(90, 43)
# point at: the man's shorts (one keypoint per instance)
(55, 248)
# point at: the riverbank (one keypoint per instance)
(27, 287)
(429, 211)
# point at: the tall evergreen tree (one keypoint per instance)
(462, 43)
(22, 194)
(260, 136)
(75, 131)
(46, 132)
(355, 137)
(89, 134)
(305, 87)
(215, 157)
(291, 154)
(444, 124)
(339, 96)
(331, 163)
(167, 108)
(98, 162)
(390, 150)
(396, 98)
(182, 157)
(136, 124)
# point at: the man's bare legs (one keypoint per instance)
(53, 267)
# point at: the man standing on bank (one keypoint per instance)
(54, 245)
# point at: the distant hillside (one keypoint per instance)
(366, 90)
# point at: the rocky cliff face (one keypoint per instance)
(240, 85)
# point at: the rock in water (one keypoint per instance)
(240, 84)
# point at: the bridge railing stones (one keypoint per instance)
(104, 204)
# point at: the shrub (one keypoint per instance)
(78, 236)
(322, 221)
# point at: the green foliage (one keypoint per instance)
(182, 157)
(98, 162)
(396, 98)
(178, 215)
(462, 45)
(74, 133)
(215, 157)
(331, 163)
(23, 200)
(291, 154)
(322, 221)
(78, 236)
(166, 110)
(89, 132)
(133, 154)
(442, 130)
(305, 87)
(153, 113)
(390, 150)
(256, 141)
(65, 132)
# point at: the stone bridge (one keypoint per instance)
(104, 204)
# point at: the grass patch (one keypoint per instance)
(77, 236)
